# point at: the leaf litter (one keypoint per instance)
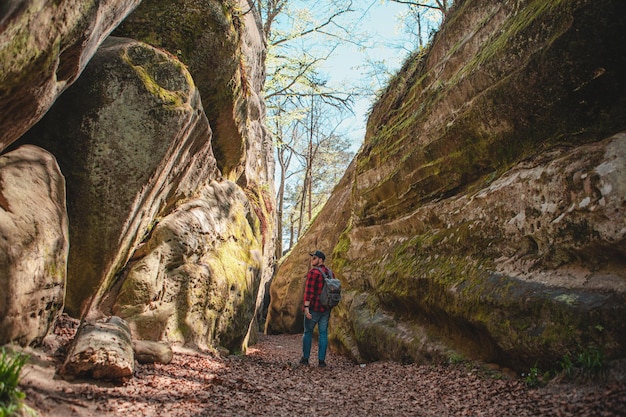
(268, 381)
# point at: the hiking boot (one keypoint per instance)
(304, 361)
(322, 364)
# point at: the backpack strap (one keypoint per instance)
(324, 275)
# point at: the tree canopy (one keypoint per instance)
(305, 107)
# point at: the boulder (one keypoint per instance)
(44, 46)
(226, 58)
(195, 279)
(33, 244)
(147, 351)
(132, 140)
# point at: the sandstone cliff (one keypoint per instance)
(160, 232)
(484, 214)
(43, 49)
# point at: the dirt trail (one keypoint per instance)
(269, 382)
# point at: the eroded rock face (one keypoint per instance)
(195, 280)
(486, 207)
(134, 143)
(132, 140)
(33, 245)
(517, 266)
(43, 48)
(226, 58)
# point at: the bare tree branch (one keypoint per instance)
(441, 5)
(294, 80)
(318, 28)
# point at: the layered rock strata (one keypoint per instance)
(157, 231)
(484, 213)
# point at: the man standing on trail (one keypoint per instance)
(314, 312)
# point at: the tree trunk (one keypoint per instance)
(280, 199)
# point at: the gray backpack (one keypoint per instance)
(331, 291)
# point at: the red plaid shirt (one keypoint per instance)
(313, 288)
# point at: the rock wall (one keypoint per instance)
(43, 49)
(161, 232)
(34, 244)
(484, 214)
(227, 65)
(136, 120)
(222, 45)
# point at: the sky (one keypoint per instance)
(381, 21)
(386, 41)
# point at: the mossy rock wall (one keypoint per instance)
(44, 46)
(195, 279)
(222, 44)
(502, 81)
(139, 143)
(486, 204)
(134, 143)
(206, 35)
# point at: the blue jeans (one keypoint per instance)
(321, 319)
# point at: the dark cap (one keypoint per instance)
(319, 254)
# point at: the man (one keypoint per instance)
(314, 312)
